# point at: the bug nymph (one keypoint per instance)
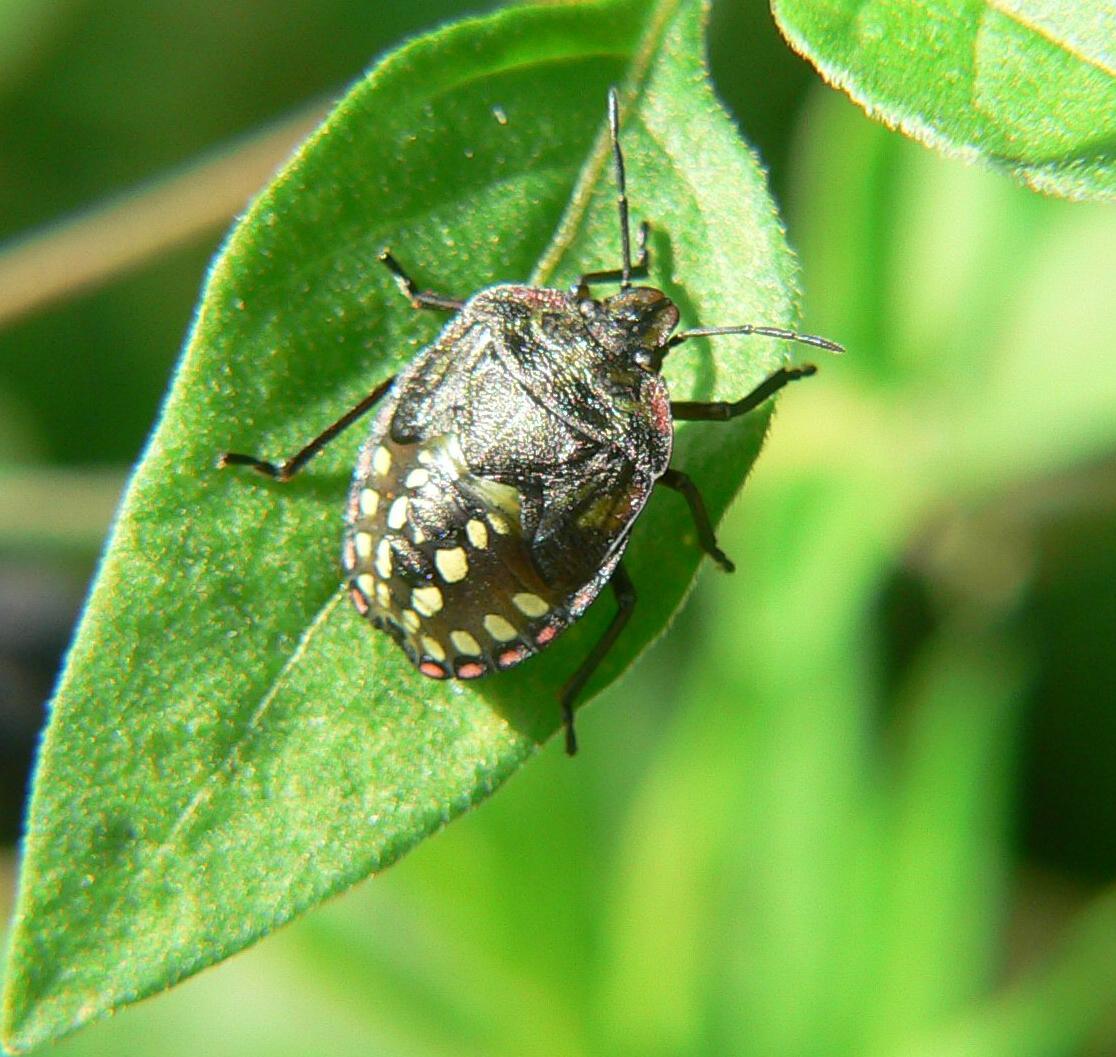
(507, 463)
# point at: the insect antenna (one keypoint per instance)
(621, 190)
(749, 328)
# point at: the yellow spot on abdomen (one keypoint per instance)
(369, 501)
(530, 605)
(463, 642)
(383, 558)
(427, 600)
(452, 564)
(434, 648)
(397, 514)
(477, 533)
(499, 628)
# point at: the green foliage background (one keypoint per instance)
(859, 799)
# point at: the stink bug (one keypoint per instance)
(497, 489)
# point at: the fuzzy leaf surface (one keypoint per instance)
(1028, 86)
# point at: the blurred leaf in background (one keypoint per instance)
(1027, 85)
(859, 799)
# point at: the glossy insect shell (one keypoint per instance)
(498, 486)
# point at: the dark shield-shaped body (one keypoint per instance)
(497, 489)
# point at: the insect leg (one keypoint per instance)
(418, 298)
(624, 590)
(616, 275)
(680, 482)
(721, 411)
(286, 470)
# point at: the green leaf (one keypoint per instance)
(23, 25)
(1026, 85)
(949, 816)
(1052, 1010)
(230, 744)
